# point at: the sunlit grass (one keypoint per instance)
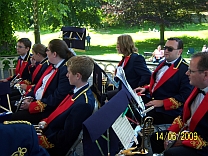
(103, 41)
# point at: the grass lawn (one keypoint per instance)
(103, 41)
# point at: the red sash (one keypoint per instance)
(166, 76)
(125, 60)
(200, 112)
(48, 70)
(37, 69)
(20, 68)
(64, 105)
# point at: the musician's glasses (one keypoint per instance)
(19, 47)
(193, 71)
(170, 49)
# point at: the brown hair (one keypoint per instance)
(40, 48)
(61, 48)
(126, 44)
(26, 42)
(81, 64)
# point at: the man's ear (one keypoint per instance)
(27, 49)
(54, 54)
(180, 51)
(206, 74)
(79, 76)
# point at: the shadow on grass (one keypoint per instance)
(148, 45)
(190, 27)
(126, 30)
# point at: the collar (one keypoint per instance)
(205, 90)
(77, 89)
(172, 61)
(45, 59)
(57, 65)
(23, 57)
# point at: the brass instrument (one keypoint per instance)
(15, 80)
(38, 129)
(21, 101)
(147, 130)
(17, 86)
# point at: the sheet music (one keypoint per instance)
(121, 75)
(124, 131)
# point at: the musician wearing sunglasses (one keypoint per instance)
(188, 132)
(169, 85)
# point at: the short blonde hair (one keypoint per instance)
(81, 64)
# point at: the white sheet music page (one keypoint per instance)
(123, 130)
(121, 75)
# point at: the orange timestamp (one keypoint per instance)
(172, 136)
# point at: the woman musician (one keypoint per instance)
(39, 63)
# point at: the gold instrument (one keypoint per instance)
(146, 131)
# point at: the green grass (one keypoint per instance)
(103, 41)
(148, 45)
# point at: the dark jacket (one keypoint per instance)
(65, 128)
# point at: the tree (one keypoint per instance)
(165, 13)
(36, 21)
(44, 14)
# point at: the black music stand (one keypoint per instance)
(74, 37)
(5, 106)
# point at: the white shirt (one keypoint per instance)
(77, 89)
(196, 103)
(39, 92)
(22, 57)
(160, 73)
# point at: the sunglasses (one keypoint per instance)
(170, 49)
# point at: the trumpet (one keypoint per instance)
(17, 86)
(147, 130)
(38, 129)
(21, 101)
(15, 80)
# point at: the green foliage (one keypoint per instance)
(163, 13)
(53, 14)
(148, 45)
(7, 16)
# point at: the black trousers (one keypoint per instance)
(157, 144)
(160, 118)
(26, 116)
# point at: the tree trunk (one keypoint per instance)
(36, 22)
(162, 31)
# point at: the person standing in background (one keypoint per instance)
(88, 38)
